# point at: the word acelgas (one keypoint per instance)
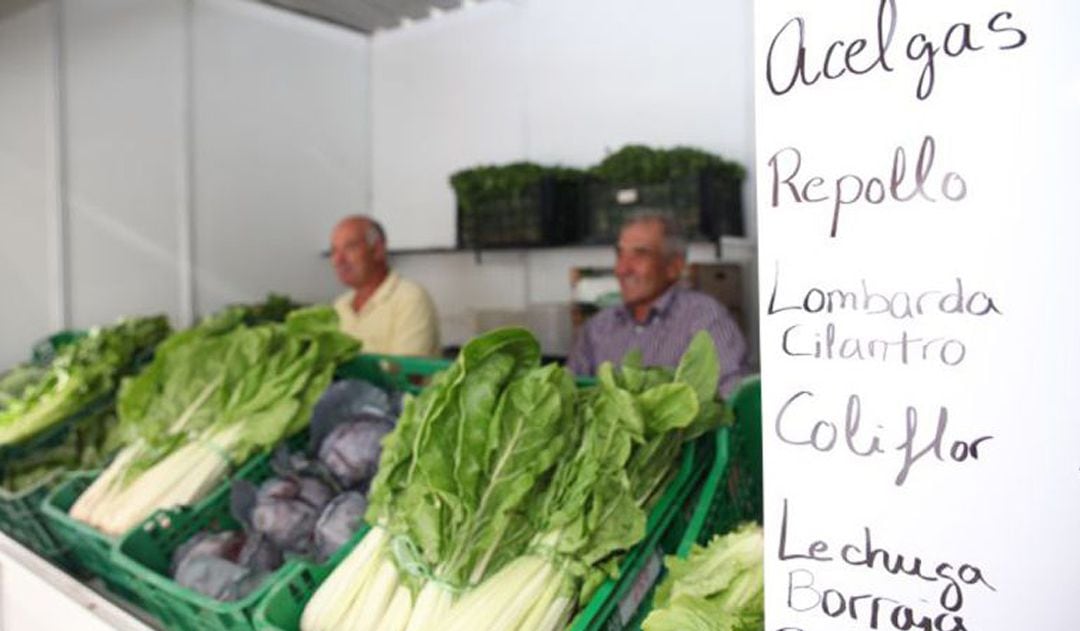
(787, 62)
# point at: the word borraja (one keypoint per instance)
(788, 59)
(851, 188)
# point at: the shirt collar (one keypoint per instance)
(659, 308)
(382, 292)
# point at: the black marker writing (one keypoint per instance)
(798, 424)
(868, 555)
(850, 188)
(828, 343)
(899, 305)
(788, 59)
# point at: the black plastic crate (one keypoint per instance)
(546, 213)
(706, 205)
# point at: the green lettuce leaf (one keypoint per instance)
(81, 373)
(718, 587)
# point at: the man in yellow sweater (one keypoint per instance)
(387, 313)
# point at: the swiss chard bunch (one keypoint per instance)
(596, 506)
(505, 495)
(211, 399)
(449, 504)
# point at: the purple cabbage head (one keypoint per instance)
(340, 520)
(351, 451)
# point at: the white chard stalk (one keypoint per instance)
(368, 609)
(102, 486)
(432, 605)
(181, 478)
(398, 613)
(522, 596)
(327, 609)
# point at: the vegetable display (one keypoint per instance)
(81, 373)
(15, 382)
(505, 496)
(89, 445)
(213, 396)
(486, 184)
(308, 508)
(719, 587)
(638, 164)
(96, 436)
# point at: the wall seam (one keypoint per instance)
(61, 316)
(186, 207)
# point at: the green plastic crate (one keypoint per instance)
(21, 515)
(90, 550)
(409, 374)
(629, 599)
(729, 495)
(282, 608)
(56, 434)
(733, 494)
(45, 350)
(21, 519)
(146, 552)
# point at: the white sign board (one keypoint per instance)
(919, 210)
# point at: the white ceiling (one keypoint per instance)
(368, 16)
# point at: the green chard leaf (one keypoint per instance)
(261, 382)
(466, 453)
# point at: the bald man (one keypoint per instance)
(387, 313)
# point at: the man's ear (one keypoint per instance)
(378, 250)
(675, 267)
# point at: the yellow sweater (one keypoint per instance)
(398, 319)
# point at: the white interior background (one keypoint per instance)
(177, 155)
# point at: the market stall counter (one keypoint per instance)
(34, 594)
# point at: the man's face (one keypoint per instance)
(642, 267)
(354, 260)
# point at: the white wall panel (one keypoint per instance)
(555, 81)
(281, 149)
(604, 73)
(448, 94)
(29, 303)
(124, 94)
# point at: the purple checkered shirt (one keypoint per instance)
(672, 321)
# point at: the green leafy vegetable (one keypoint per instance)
(17, 381)
(638, 164)
(89, 445)
(212, 398)
(81, 373)
(719, 587)
(486, 184)
(504, 496)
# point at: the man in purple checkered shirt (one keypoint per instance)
(657, 315)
